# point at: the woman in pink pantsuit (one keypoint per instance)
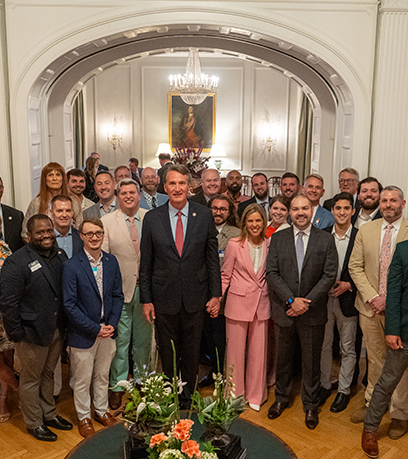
(247, 308)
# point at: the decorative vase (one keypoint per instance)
(135, 446)
(229, 445)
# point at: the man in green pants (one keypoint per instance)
(122, 239)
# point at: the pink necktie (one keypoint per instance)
(134, 235)
(179, 234)
(385, 259)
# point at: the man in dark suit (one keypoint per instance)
(211, 184)
(135, 170)
(93, 301)
(340, 307)
(68, 237)
(179, 275)
(31, 304)
(165, 162)
(396, 360)
(300, 270)
(261, 190)
(12, 224)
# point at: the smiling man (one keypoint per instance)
(149, 197)
(313, 189)
(31, 304)
(76, 185)
(122, 239)
(300, 270)
(211, 184)
(340, 307)
(105, 189)
(290, 185)
(368, 195)
(234, 185)
(261, 191)
(179, 276)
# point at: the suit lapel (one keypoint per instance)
(165, 219)
(44, 268)
(192, 218)
(310, 245)
(121, 222)
(246, 259)
(403, 232)
(290, 238)
(86, 266)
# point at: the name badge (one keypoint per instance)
(221, 253)
(94, 269)
(34, 266)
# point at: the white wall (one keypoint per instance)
(249, 99)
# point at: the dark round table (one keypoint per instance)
(259, 442)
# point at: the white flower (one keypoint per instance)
(180, 385)
(207, 455)
(155, 406)
(171, 454)
(126, 384)
(140, 408)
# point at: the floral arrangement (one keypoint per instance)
(218, 412)
(151, 404)
(192, 159)
(178, 445)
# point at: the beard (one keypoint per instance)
(371, 207)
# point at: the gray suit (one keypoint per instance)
(95, 210)
(317, 278)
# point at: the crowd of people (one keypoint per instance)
(111, 265)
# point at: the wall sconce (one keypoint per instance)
(114, 135)
(270, 136)
(164, 148)
(218, 151)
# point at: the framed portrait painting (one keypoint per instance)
(192, 126)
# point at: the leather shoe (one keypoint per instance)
(115, 400)
(85, 427)
(340, 402)
(311, 419)
(42, 433)
(107, 419)
(324, 394)
(398, 428)
(277, 409)
(206, 380)
(369, 443)
(59, 423)
(359, 415)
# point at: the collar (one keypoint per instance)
(149, 196)
(54, 250)
(136, 216)
(173, 211)
(396, 224)
(346, 235)
(112, 204)
(370, 217)
(58, 234)
(305, 231)
(221, 227)
(91, 258)
(258, 201)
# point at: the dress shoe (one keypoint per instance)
(85, 427)
(254, 407)
(340, 403)
(115, 400)
(107, 419)
(277, 409)
(59, 423)
(324, 394)
(311, 419)
(398, 428)
(369, 443)
(206, 380)
(42, 433)
(359, 415)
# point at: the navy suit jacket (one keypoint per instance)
(83, 303)
(317, 277)
(348, 298)
(77, 242)
(243, 205)
(169, 280)
(12, 220)
(31, 296)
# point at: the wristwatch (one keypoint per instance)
(290, 301)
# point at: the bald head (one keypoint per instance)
(211, 182)
(149, 180)
(234, 182)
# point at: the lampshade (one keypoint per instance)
(217, 151)
(164, 148)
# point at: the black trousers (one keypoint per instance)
(311, 341)
(185, 329)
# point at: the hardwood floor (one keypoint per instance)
(335, 437)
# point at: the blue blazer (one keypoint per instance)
(82, 301)
(323, 218)
(161, 199)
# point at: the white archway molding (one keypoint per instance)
(281, 32)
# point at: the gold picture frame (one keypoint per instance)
(193, 129)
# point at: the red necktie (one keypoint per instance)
(179, 234)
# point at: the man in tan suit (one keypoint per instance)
(122, 239)
(369, 261)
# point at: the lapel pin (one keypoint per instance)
(10, 217)
(59, 252)
(194, 214)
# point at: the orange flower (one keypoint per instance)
(157, 439)
(191, 448)
(182, 429)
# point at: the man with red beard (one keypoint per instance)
(368, 195)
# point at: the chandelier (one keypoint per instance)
(193, 86)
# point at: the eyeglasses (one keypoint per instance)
(91, 234)
(346, 181)
(223, 210)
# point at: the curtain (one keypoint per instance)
(305, 132)
(79, 130)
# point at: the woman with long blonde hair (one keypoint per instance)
(53, 181)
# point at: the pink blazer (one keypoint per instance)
(248, 292)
